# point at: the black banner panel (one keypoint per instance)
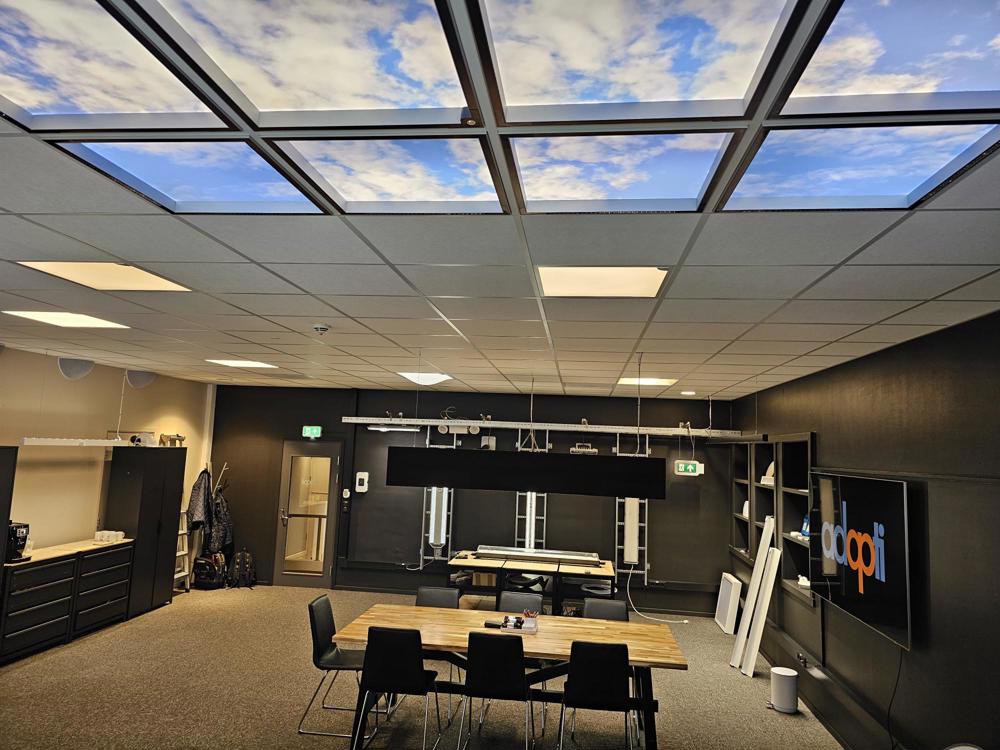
(606, 476)
(859, 550)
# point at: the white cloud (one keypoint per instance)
(995, 43)
(71, 56)
(327, 54)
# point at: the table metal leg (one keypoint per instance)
(644, 680)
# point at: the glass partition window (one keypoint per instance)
(912, 55)
(618, 172)
(888, 167)
(327, 54)
(197, 177)
(70, 57)
(566, 59)
(427, 175)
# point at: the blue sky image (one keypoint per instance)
(833, 168)
(907, 46)
(223, 172)
(616, 167)
(576, 51)
(439, 169)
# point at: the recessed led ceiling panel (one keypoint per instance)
(70, 57)
(106, 276)
(567, 59)
(428, 175)
(889, 167)
(601, 281)
(912, 55)
(616, 172)
(197, 177)
(300, 55)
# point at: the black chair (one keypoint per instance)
(394, 665)
(495, 671)
(437, 596)
(598, 679)
(328, 657)
(605, 609)
(518, 601)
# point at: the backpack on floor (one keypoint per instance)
(209, 572)
(242, 571)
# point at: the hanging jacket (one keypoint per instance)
(198, 511)
(219, 533)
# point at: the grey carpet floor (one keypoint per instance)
(232, 669)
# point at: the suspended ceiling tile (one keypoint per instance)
(945, 237)
(945, 313)
(20, 278)
(511, 342)
(594, 329)
(984, 289)
(749, 359)
(180, 303)
(977, 188)
(837, 311)
(681, 330)
(716, 310)
(431, 341)
(288, 239)
(320, 278)
(850, 349)
(470, 281)
(892, 334)
(222, 277)
(304, 324)
(894, 282)
(486, 308)
(672, 358)
(593, 345)
(820, 360)
(481, 240)
(408, 325)
(789, 238)
(501, 327)
(799, 332)
(595, 239)
(21, 239)
(742, 282)
(598, 309)
(772, 347)
(86, 301)
(681, 346)
(382, 307)
(280, 304)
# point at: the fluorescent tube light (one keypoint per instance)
(689, 393)
(117, 277)
(392, 428)
(425, 378)
(64, 319)
(601, 281)
(246, 363)
(437, 535)
(647, 381)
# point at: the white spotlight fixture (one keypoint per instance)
(647, 381)
(64, 319)
(689, 393)
(245, 363)
(425, 378)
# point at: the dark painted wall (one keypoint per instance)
(381, 532)
(927, 410)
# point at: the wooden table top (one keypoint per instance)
(604, 570)
(649, 644)
(466, 560)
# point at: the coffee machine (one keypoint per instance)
(17, 537)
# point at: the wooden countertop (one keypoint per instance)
(649, 644)
(70, 549)
(467, 560)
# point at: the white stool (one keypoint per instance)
(784, 690)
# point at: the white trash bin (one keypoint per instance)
(784, 690)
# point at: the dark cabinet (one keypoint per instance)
(144, 501)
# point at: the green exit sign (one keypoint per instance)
(312, 431)
(689, 468)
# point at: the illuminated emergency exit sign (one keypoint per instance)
(689, 468)
(312, 431)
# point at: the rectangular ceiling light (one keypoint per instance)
(65, 319)
(197, 176)
(74, 58)
(418, 175)
(106, 276)
(601, 281)
(624, 60)
(647, 381)
(425, 378)
(904, 56)
(390, 56)
(602, 173)
(878, 167)
(245, 363)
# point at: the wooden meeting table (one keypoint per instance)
(650, 646)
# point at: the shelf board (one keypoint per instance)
(763, 486)
(795, 491)
(793, 588)
(741, 517)
(741, 554)
(738, 480)
(801, 542)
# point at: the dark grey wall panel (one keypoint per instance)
(925, 408)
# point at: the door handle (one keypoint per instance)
(284, 517)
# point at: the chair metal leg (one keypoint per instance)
(572, 731)
(461, 723)
(331, 708)
(562, 724)
(487, 702)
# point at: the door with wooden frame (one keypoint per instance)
(307, 513)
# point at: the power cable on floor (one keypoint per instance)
(893, 744)
(628, 595)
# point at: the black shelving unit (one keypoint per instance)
(795, 460)
(742, 536)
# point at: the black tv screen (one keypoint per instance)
(859, 550)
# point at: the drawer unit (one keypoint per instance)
(39, 635)
(100, 578)
(37, 615)
(102, 595)
(91, 562)
(47, 592)
(42, 573)
(101, 614)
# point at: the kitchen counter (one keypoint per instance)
(41, 554)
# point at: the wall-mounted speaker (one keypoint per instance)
(74, 369)
(139, 378)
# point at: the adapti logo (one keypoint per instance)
(861, 552)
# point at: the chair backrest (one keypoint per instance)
(495, 667)
(394, 662)
(322, 626)
(598, 676)
(437, 596)
(518, 601)
(605, 609)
